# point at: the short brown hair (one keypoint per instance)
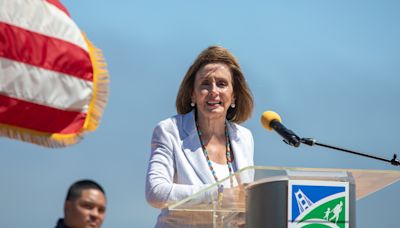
(243, 97)
(75, 190)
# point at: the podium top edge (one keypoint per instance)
(317, 169)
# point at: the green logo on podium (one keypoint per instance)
(318, 204)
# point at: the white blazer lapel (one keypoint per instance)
(192, 149)
(239, 148)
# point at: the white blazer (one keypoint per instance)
(177, 166)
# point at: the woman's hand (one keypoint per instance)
(233, 198)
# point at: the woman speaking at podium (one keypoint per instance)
(203, 143)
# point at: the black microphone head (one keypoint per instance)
(269, 116)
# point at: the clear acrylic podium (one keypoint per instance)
(259, 198)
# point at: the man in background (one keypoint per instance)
(84, 207)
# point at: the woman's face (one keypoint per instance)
(213, 91)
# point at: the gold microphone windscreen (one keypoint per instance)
(269, 116)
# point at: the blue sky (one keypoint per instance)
(329, 68)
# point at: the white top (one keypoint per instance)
(222, 171)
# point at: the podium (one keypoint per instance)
(281, 197)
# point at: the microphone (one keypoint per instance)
(271, 120)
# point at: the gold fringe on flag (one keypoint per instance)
(100, 87)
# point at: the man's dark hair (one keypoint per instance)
(74, 192)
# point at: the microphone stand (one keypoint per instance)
(312, 142)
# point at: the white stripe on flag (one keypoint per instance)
(44, 87)
(41, 17)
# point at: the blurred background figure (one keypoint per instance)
(84, 207)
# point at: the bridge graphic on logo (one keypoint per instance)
(303, 202)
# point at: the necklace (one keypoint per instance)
(228, 153)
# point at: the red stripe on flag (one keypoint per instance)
(60, 6)
(43, 51)
(41, 118)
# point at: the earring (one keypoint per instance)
(233, 105)
(192, 104)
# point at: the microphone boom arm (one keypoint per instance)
(312, 142)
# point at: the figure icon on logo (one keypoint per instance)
(327, 212)
(336, 211)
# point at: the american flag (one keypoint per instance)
(53, 81)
